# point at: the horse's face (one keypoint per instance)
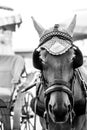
(57, 57)
(56, 70)
(57, 67)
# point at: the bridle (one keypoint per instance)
(63, 86)
(67, 87)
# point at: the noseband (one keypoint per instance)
(59, 85)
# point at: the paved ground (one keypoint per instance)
(38, 126)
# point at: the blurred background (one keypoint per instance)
(47, 13)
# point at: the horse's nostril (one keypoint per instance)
(69, 108)
(50, 108)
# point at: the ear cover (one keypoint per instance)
(78, 59)
(36, 60)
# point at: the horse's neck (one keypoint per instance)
(79, 86)
(79, 96)
(83, 71)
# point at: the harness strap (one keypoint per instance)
(86, 108)
(85, 90)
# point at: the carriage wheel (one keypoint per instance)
(27, 118)
(4, 117)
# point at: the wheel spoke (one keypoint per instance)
(28, 117)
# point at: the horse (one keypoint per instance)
(61, 94)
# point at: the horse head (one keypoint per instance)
(57, 58)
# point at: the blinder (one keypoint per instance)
(36, 60)
(77, 60)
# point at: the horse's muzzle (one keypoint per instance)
(59, 102)
(60, 113)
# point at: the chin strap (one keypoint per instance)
(46, 119)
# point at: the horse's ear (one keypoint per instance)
(71, 27)
(38, 27)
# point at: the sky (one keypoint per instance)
(46, 12)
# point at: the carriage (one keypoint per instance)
(15, 112)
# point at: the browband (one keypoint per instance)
(59, 34)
